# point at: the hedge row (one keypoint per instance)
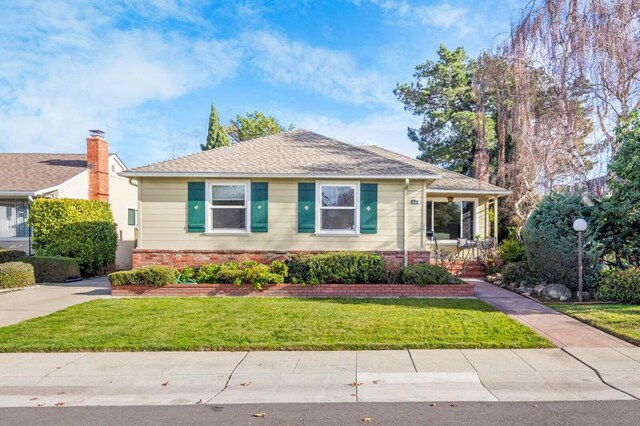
(151, 275)
(11, 255)
(16, 274)
(236, 273)
(620, 285)
(337, 267)
(53, 269)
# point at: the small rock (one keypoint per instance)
(557, 291)
(538, 290)
(503, 285)
(498, 282)
(499, 276)
(523, 290)
(490, 278)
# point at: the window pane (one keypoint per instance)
(228, 218)
(446, 220)
(429, 206)
(338, 196)
(227, 195)
(13, 218)
(338, 219)
(467, 220)
(131, 217)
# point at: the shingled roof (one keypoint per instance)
(31, 173)
(301, 153)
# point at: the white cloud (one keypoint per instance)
(387, 130)
(442, 15)
(325, 71)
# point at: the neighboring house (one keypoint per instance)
(299, 191)
(92, 176)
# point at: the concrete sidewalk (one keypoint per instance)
(561, 330)
(160, 378)
(42, 300)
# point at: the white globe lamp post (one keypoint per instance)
(580, 225)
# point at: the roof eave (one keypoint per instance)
(470, 191)
(136, 174)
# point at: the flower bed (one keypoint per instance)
(297, 290)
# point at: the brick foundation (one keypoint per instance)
(297, 290)
(195, 258)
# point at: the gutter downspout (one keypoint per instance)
(405, 259)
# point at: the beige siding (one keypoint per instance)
(163, 204)
(76, 187)
(122, 196)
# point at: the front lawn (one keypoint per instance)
(269, 324)
(620, 320)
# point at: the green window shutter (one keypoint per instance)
(368, 208)
(196, 208)
(306, 207)
(259, 206)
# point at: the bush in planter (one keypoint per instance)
(11, 255)
(620, 285)
(53, 269)
(151, 275)
(423, 275)
(16, 274)
(249, 272)
(81, 229)
(336, 267)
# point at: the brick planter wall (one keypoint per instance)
(297, 290)
(195, 258)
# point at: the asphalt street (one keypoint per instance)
(462, 413)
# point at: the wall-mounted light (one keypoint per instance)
(450, 199)
(415, 201)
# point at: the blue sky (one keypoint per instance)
(146, 72)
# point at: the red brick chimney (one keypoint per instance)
(98, 164)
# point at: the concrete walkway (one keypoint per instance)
(42, 300)
(161, 378)
(561, 330)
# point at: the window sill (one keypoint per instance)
(227, 233)
(14, 238)
(337, 234)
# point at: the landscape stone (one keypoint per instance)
(557, 291)
(538, 290)
(524, 290)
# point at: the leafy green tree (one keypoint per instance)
(254, 125)
(216, 135)
(444, 97)
(619, 214)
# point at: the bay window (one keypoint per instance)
(228, 210)
(337, 208)
(450, 221)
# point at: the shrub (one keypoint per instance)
(620, 285)
(50, 269)
(16, 274)
(280, 268)
(551, 243)
(517, 272)
(512, 250)
(208, 274)
(423, 275)
(236, 273)
(81, 229)
(151, 275)
(337, 267)
(11, 255)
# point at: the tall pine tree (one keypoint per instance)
(216, 136)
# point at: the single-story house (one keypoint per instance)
(299, 191)
(92, 175)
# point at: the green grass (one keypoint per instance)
(620, 320)
(156, 324)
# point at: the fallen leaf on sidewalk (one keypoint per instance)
(353, 394)
(366, 419)
(453, 405)
(259, 415)
(165, 383)
(433, 404)
(41, 405)
(200, 402)
(355, 384)
(33, 399)
(245, 383)
(59, 404)
(377, 382)
(60, 393)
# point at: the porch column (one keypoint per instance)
(495, 220)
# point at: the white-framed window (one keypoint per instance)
(228, 206)
(14, 214)
(337, 208)
(132, 217)
(452, 220)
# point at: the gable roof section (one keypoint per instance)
(31, 173)
(296, 153)
(301, 153)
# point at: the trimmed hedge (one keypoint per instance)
(16, 274)
(422, 275)
(151, 275)
(236, 273)
(53, 269)
(81, 229)
(11, 255)
(620, 285)
(337, 267)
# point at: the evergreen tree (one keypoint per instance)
(216, 135)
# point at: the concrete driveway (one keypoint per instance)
(17, 306)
